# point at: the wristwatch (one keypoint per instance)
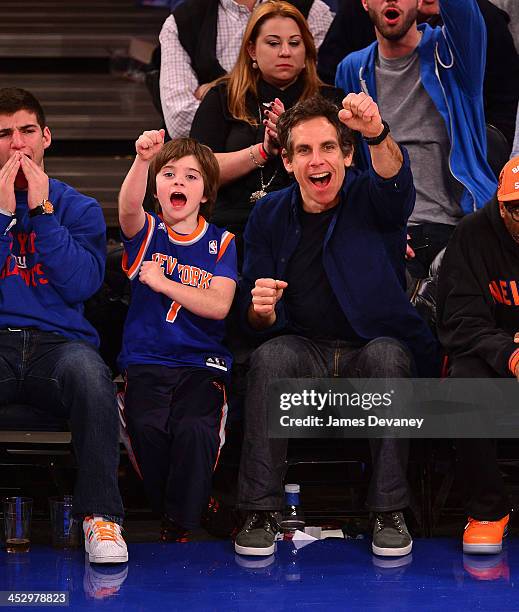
(45, 208)
(376, 140)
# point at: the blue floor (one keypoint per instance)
(326, 575)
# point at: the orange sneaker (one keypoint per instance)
(484, 537)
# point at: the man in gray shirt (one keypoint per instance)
(428, 84)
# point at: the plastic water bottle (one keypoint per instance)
(293, 516)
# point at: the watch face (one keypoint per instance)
(48, 208)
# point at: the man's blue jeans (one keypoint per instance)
(263, 460)
(69, 379)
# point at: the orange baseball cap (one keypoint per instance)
(508, 186)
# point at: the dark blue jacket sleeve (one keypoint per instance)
(5, 239)
(393, 199)
(73, 255)
(259, 262)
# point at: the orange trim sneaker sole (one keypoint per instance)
(485, 537)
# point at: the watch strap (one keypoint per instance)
(376, 140)
(44, 208)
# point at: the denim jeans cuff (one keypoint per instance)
(106, 517)
(113, 519)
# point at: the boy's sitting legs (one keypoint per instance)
(176, 420)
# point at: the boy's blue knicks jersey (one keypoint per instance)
(159, 330)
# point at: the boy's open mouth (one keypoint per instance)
(177, 198)
(322, 179)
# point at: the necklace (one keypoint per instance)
(262, 192)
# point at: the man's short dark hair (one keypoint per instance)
(311, 108)
(14, 99)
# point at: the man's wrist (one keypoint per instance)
(7, 213)
(11, 222)
(260, 321)
(44, 207)
(376, 140)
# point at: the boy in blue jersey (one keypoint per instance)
(183, 273)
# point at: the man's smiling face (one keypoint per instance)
(318, 163)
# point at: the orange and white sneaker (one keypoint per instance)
(484, 537)
(103, 541)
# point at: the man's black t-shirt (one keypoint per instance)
(313, 309)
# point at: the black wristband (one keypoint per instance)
(380, 138)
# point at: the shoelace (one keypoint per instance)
(257, 518)
(252, 521)
(395, 520)
(475, 522)
(106, 530)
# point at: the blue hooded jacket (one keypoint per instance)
(452, 63)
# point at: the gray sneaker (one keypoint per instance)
(390, 535)
(258, 534)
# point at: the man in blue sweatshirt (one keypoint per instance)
(428, 83)
(323, 284)
(52, 257)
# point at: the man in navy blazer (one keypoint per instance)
(324, 285)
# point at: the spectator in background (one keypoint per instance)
(501, 83)
(478, 324)
(275, 68)
(515, 148)
(52, 257)
(200, 42)
(352, 30)
(428, 84)
(512, 8)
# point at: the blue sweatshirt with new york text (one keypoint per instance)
(51, 264)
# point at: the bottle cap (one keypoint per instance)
(292, 488)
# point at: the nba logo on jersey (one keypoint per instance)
(213, 247)
(216, 362)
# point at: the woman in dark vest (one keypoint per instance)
(276, 67)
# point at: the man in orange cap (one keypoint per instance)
(478, 325)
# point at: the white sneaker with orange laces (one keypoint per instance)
(103, 541)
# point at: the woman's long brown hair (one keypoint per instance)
(243, 78)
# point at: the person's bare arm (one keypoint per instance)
(212, 303)
(133, 189)
(236, 164)
(360, 112)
